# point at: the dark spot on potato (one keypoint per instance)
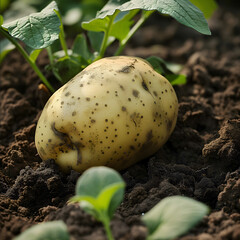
(42, 151)
(155, 93)
(88, 99)
(169, 125)
(49, 140)
(129, 99)
(124, 109)
(149, 135)
(74, 113)
(67, 94)
(132, 147)
(121, 86)
(135, 93)
(81, 85)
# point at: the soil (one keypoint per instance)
(201, 159)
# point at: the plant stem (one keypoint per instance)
(106, 36)
(62, 34)
(144, 17)
(27, 58)
(106, 225)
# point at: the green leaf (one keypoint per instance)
(208, 7)
(96, 39)
(168, 70)
(120, 27)
(111, 194)
(34, 54)
(66, 68)
(176, 79)
(103, 184)
(122, 24)
(38, 30)
(80, 48)
(46, 231)
(173, 216)
(182, 10)
(5, 47)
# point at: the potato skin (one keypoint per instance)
(115, 112)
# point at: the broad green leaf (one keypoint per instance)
(176, 79)
(173, 216)
(122, 24)
(46, 231)
(5, 47)
(96, 39)
(182, 10)
(97, 24)
(38, 30)
(208, 7)
(80, 47)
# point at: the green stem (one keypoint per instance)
(144, 17)
(27, 58)
(106, 36)
(62, 34)
(106, 225)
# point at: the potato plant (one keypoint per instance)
(114, 22)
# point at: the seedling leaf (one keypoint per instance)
(103, 184)
(182, 10)
(46, 231)
(107, 196)
(38, 30)
(173, 216)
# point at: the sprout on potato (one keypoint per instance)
(115, 112)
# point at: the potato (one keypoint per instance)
(115, 112)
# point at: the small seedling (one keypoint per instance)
(56, 230)
(115, 22)
(100, 191)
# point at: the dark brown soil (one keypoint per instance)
(201, 160)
